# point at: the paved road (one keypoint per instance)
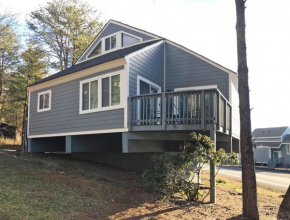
(277, 179)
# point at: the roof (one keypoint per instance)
(269, 132)
(286, 139)
(116, 55)
(96, 61)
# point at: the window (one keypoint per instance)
(100, 93)
(128, 40)
(113, 42)
(110, 43)
(44, 101)
(288, 149)
(111, 91)
(97, 50)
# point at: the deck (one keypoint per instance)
(182, 110)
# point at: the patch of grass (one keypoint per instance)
(27, 195)
(221, 181)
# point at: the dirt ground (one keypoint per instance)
(50, 186)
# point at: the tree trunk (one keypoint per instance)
(286, 201)
(250, 208)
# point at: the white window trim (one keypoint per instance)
(38, 99)
(288, 149)
(100, 108)
(139, 78)
(118, 43)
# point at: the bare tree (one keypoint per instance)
(250, 207)
(286, 201)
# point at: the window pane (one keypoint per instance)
(46, 100)
(85, 104)
(94, 94)
(107, 44)
(115, 90)
(113, 41)
(97, 50)
(153, 90)
(128, 40)
(144, 88)
(41, 101)
(105, 92)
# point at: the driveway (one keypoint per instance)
(276, 179)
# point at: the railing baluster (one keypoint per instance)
(172, 117)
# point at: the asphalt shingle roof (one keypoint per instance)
(96, 61)
(269, 132)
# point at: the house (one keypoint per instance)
(272, 146)
(132, 91)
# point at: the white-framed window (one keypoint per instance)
(288, 149)
(113, 42)
(100, 93)
(44, 101)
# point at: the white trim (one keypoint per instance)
(99, 34)
(119, 46)
(81, 133)
(288, 149)
(201, 57)
(49, 103)
(100, 108)
(196, 88)
(28, 113)
(146, 81)
(135, 29)
(125, 84)
(122, 25)
(79, 74)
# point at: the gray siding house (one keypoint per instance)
(132, 91)
(272, 146)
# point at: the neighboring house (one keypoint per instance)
(132, 91)
(272, 146)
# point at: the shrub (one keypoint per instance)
(180, 172)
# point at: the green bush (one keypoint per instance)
(180, 172)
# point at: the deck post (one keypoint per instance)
(218, 111)
(68, 144)
(129, 123)
(202, 100)
(225, 116)
(163, 111)
(213, 168)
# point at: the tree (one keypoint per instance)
(180, 172)
(286, 201)
(65, 28)
(32, 68)
(250, 207)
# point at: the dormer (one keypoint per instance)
(114, 42)
(114, 36)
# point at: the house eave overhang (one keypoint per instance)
(78, 74)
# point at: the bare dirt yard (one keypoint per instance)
(51, 186)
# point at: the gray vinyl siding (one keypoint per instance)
(148, 64)
(286, 158)
(267, 140)
(64, 114)
(186, 70)
(110, 29)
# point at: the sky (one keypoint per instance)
(208, 28)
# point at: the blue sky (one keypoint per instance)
(208, 27)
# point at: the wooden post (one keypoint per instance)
(130, 110)
(163, 111)
(213, 168)
(202, 99)
(286, 201)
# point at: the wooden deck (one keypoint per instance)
(184, 110)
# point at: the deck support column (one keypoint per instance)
(213, 169)
(68, 143)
